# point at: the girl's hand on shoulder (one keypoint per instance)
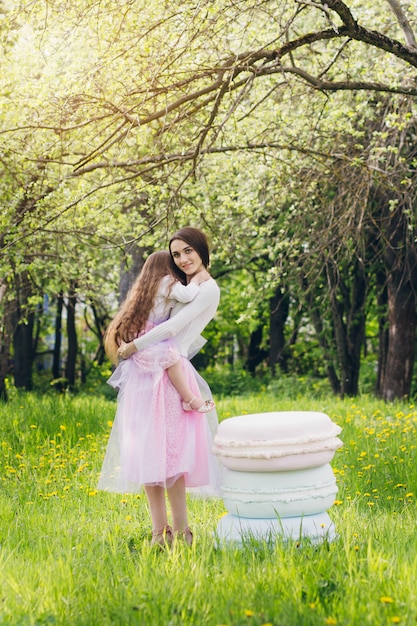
(201, 277)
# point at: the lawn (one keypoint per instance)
(71, 555)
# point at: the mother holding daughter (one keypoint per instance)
(165, 420)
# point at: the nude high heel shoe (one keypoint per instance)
(163, 537)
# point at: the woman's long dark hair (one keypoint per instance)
(197, 240)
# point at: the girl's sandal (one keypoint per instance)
(163, 537)
(208, 405)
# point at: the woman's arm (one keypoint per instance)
(197, 312)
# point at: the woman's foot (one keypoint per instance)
(199, 405)
(163, 537)
(188, 536)
(185, 535)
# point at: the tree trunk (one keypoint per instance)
(256, 354)
(37, 328)
(324, 345)
(5, 344)
(99, 330)
(23, 352)
(22, 323)
(56, 358)
(315, 314)
(279, 306)
(401, 339)
(382, 304)
(70, 367)
(129, 275)
(400, 257)
(347, 308)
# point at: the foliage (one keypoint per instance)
(72, 555)
(271, 125)
(227, 381)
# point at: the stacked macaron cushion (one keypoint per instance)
(316, 528)
(273, 442)
(282, 494)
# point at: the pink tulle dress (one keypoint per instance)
(153, 441)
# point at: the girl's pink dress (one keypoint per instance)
(153, 440)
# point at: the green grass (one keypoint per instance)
(71, 555)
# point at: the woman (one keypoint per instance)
(169, 448)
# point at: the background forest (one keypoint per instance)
(286, 130)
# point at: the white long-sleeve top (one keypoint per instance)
(168, 295)
(187, 321)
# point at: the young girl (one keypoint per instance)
(148, 303)
(153, 443)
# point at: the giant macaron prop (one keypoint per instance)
(276, 475)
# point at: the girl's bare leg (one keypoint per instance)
(176, 376)
(191, 402)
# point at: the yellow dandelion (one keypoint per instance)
(395, 619)
(249, 613)
(409, 495)
(63, 427)
(331, 620)
(128, 518)
(386, 600)
(109, 423)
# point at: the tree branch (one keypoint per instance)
(404, 23)
(352, 29)
(327, 85)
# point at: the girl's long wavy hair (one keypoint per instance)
(135, 310)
